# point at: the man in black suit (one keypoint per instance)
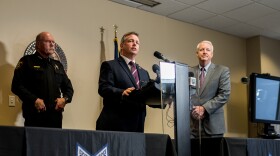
(122, 112)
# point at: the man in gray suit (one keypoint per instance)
(213, 91)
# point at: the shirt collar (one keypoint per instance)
(206, 67)
(127, 60)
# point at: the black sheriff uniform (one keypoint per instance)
(38, 77)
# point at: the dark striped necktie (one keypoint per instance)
(134, 73)
(202, 76)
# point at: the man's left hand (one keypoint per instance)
(60, 104)
(198, 112)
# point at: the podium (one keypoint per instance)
(173, 89)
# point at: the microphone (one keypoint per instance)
(191, 74)
(192, 90)
(192, 80)
(160, 56)
(156, 70)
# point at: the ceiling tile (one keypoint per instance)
(242, 30)
(270, 22)
(243, 18)
(191, 2)
(191, 15)
(270, 3)
(220, 6)
(216, 22)
(249, 12)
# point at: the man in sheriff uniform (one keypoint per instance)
(42, 85)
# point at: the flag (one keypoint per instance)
(116, 47)
(102, 47)
(102, 57)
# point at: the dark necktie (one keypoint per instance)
(134, 73)
(202, 76)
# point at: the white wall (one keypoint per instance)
(76, 28)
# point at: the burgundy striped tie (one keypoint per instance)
(201, 77)
(134, 73)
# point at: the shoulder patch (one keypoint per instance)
(19, 65)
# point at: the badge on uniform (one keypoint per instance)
(56, 67)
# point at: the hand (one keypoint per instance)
(198, 112)
(60, 104)
(40, 105)
(127, 91)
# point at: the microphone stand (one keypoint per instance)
(199, 120)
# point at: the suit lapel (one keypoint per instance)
(139, 69)
(208, 77)
(141, 74)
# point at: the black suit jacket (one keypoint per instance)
(120, 113)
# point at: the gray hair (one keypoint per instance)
(205, 41)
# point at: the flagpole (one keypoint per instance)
(102, 32)
(116, 30)
(102, 57)
(116, 53)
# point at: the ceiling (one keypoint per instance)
(242, 18)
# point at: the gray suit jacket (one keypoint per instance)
(213, 95)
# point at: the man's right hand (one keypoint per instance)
(40, 105)
(127, 91)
